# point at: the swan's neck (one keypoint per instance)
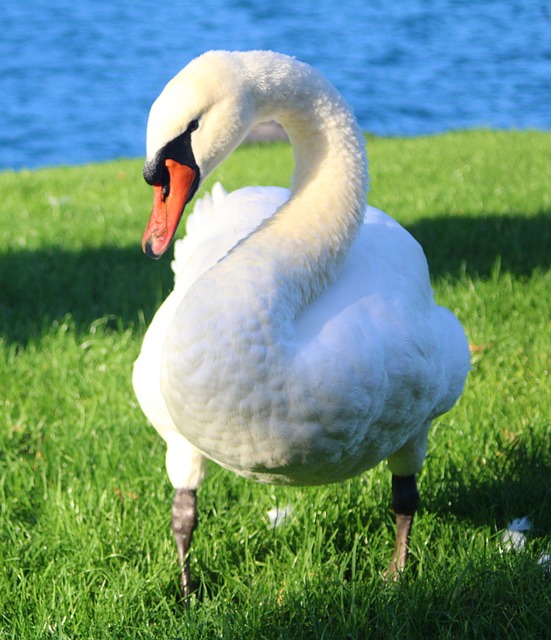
(282, 266)
(309, 236)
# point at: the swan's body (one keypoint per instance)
(301, 343)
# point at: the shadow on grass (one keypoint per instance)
(473, 244)
(40, 287)
(44, 286)
(512, 484)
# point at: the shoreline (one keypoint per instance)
(267, 132)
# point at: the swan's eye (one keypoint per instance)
(193, 125)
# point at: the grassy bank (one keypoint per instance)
(86, 549)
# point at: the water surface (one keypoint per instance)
(77, 78)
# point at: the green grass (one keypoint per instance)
(86, 549)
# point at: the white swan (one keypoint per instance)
(301, 343)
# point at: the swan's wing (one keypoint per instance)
(385, 337)
(218, 222)
(384, 269)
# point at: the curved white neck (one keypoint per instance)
(326, 138)
(311, 233)
(282, 266)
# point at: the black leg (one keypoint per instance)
(405, 500)
(184, 521)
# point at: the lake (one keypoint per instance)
(77, 78)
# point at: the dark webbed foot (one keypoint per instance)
(184, 521)
(405, 500)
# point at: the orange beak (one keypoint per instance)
(167, 211)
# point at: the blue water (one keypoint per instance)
(77, 78)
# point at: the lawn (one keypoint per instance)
(86, 548)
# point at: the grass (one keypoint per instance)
(86, 549)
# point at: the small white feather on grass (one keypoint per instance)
(278, 515)
(514, 539)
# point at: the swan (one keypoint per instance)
(301, 343)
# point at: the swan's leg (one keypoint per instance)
(186, 467)
(405, 500)
(184, 521)
(404, 464)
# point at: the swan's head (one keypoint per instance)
(203, 113)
